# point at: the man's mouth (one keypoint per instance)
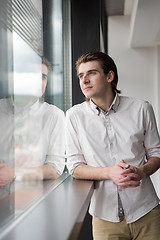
(87, 88)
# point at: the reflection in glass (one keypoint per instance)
(6, 119)
(39, 148)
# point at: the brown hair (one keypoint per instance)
(46, 62)
(106, 63)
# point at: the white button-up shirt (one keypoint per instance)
(127, 131)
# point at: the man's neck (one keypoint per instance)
(105, 102)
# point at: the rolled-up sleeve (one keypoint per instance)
(74, 153)
(152, 139)
(56, 148)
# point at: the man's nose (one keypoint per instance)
(85, 79)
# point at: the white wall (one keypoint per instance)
(139, 68)
(136, 66)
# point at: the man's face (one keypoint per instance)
(44, 78)
(93, 81)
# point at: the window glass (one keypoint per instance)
(31, 106)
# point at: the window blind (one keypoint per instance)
(27, 23)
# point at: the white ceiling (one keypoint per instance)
(128, 6)
(114, 7)
(145, 23)
(145, 20)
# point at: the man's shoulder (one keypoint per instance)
(78, 108)
(137, 102)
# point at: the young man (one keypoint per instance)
(38, 133)
(114, 139)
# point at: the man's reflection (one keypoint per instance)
(38, 138)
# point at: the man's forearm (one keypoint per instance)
(36, 173)
(88, 172)
(99, 173)
(150, 167)
(49, 172)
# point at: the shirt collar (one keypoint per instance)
(115, 102)
(113, 106)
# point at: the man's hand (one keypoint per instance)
(125, 175)
(6, 174)
(116, 171)
(130, 177)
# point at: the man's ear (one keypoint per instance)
(110, 76)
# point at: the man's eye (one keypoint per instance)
(44, 76)
(80, 76)
(92, 72)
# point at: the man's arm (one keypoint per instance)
(113, 173)
(36, 173)
(150, 167)
(8, 174)
(49, 172)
